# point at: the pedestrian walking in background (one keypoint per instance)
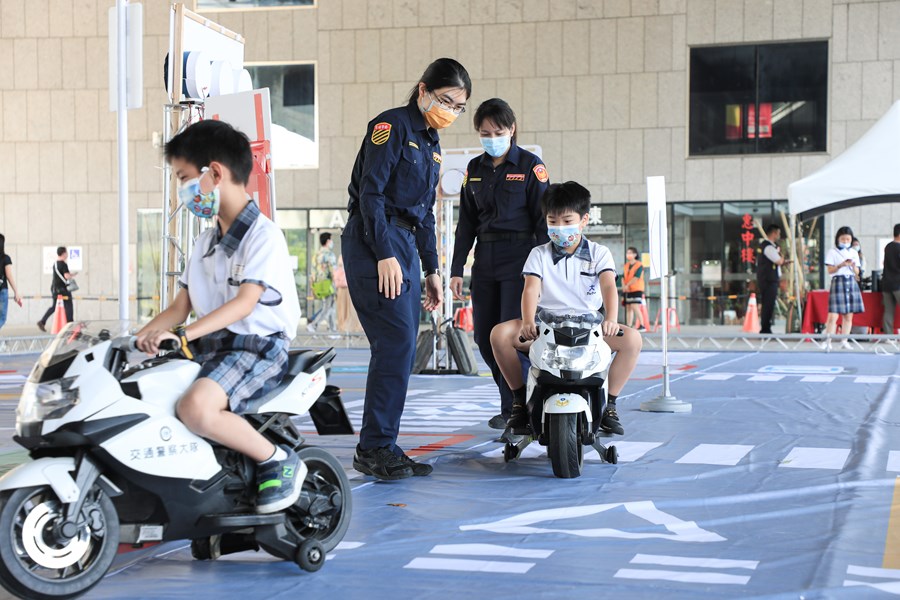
(59, 287)
(890, 281)
(323, 283)
(6, 282)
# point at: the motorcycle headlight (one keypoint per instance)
(577, 358)
(48, 400)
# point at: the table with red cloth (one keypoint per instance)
(816, 311)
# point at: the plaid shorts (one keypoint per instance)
(246, 366)
(845, 297)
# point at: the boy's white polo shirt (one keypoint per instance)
(570, 281)
(252, 251)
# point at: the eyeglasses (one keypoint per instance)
(447, 104)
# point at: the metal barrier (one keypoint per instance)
(26, 344)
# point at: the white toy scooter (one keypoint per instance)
(566, 390)
(113, 465)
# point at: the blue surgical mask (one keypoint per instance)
(496, 146)
(564, 236)
(202, 205)
(843, 246)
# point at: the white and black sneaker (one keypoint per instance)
(279, 482)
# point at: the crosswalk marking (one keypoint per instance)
(716, 454)
(716, 377)
(489, 550)
(817, 379)
(468, 565)
(708, 575)
(766, 378)
(893, 461)
(691, 561)
(890, 587)
(816, 458)
(870, 379)
(682, 576)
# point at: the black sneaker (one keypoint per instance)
(381, 463)
(497, 422)
(42, 326)
(518, 420)
(418, 469)
(279, 482)
(610, 421)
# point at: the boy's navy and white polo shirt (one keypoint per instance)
(253, 250)
(570, 281)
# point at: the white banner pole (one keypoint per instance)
(122, 134)
(659, 269)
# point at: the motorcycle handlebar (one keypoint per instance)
(168, 345)
(620, 333)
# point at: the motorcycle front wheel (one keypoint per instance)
(565, 450)
(37, 563)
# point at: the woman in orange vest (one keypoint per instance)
(633, 289)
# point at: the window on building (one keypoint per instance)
(292, 88)
(245, 4)
(758, 98)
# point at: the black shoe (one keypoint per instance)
(518, 420)
(42, 326)
(497, 422)
(610, 421)
(381, 463)
(418, 469)
(279, 482)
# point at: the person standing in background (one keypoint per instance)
(500, 207)
(768, 275)
(6, 282)
(58, 287)
(633, 289)
(845, 298)
(855, 245)
(890, 281)
(347, 321)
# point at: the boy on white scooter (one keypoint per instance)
(240, 284)
(570, 273)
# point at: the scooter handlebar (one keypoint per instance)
(130, 345)
(621, 332)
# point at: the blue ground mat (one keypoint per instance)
(779, 484)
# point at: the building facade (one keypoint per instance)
(612, 91)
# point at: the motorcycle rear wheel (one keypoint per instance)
(34, 563)
(565, 450)
(326, 482)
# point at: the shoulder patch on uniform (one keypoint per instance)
(436, 157)
(380, 133)
(540, 171)
(413, 144)
(515, 177)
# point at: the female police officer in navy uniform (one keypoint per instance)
(500, 206)
(390, 229)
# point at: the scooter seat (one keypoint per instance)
(304, 361)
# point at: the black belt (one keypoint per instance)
(402, 222)
(505, 237)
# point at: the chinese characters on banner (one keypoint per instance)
(747, 236)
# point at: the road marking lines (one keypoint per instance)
(716, 454)
(816, 458)
(441, 563)
(716, 377)
(766, 378)
(817, 379)
(890, 587)
(695, 576)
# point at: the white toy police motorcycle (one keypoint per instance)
(113, 465)
(566, 391)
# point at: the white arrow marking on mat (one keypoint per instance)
(682, 531)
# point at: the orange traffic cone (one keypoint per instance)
(645, 318)
(751, 319)
(59, 316)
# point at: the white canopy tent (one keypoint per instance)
(868, 172)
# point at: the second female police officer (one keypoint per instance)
(390, 230)
(500, 206)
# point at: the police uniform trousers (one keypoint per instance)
(496, 288)
(390, 325)
(768, 292)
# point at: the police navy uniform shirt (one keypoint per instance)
(505, 199)
(396, 174)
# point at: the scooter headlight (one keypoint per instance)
(48, 400)
(575, 358)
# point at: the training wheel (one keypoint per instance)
(310, 555)
(612, 455)
(201, 549)
(510, 452)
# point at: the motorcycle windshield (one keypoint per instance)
(80, 335)
(560, 319)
